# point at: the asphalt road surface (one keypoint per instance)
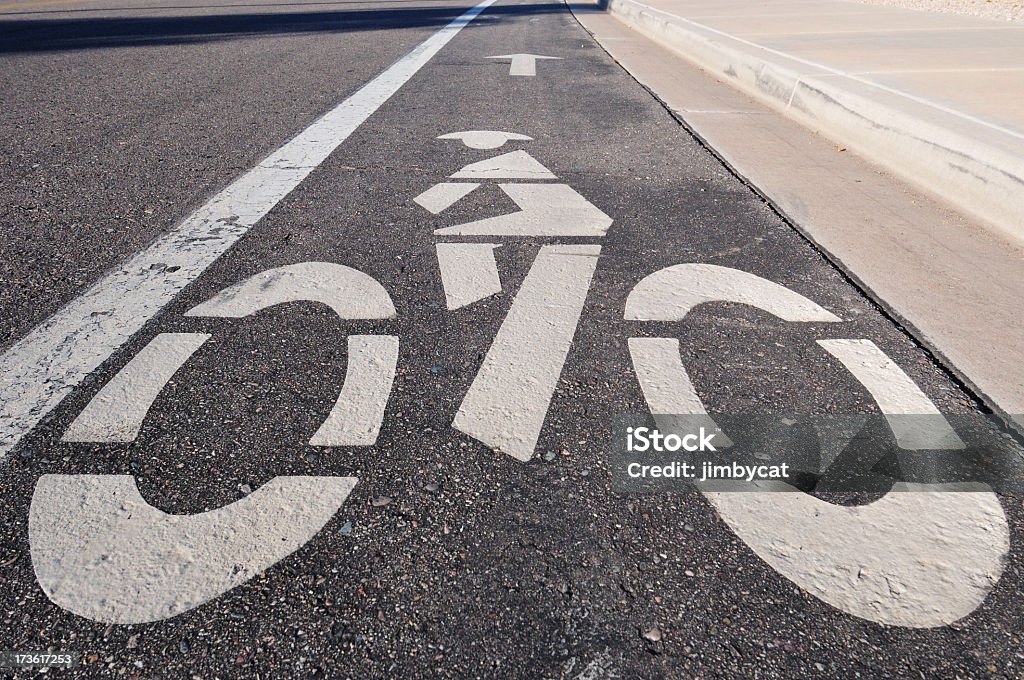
(366, 387)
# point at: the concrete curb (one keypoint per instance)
(977, 166)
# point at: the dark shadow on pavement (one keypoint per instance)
(46, 35)
(63, 9)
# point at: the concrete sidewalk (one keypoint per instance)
(954, 283)
(936, 98)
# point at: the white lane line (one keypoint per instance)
(509, 398)
(358, 412)
(469, 272)
(37, 372)
(101, 551)
(116, 413)
(913, 418)
(440, 197)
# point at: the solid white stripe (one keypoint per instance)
(37, 372)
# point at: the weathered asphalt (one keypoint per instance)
(118, 121)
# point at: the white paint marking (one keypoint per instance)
(442, 196)
(486, 139)
(506, 405)
(469, 272)
(511, 165)
(670, 293)
(913, 418)
(916, 557)
(116, 413)
(358, 413)
(665, 383)
(522, 64)
(37, 372)
(546, 210)
(101, 551)
(349, 292)
(913, 558)
(667, 387)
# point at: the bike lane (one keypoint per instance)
(122, 118)
(438, 554)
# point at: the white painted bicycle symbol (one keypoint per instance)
(919, 558)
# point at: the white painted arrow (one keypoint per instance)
(522, 64)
